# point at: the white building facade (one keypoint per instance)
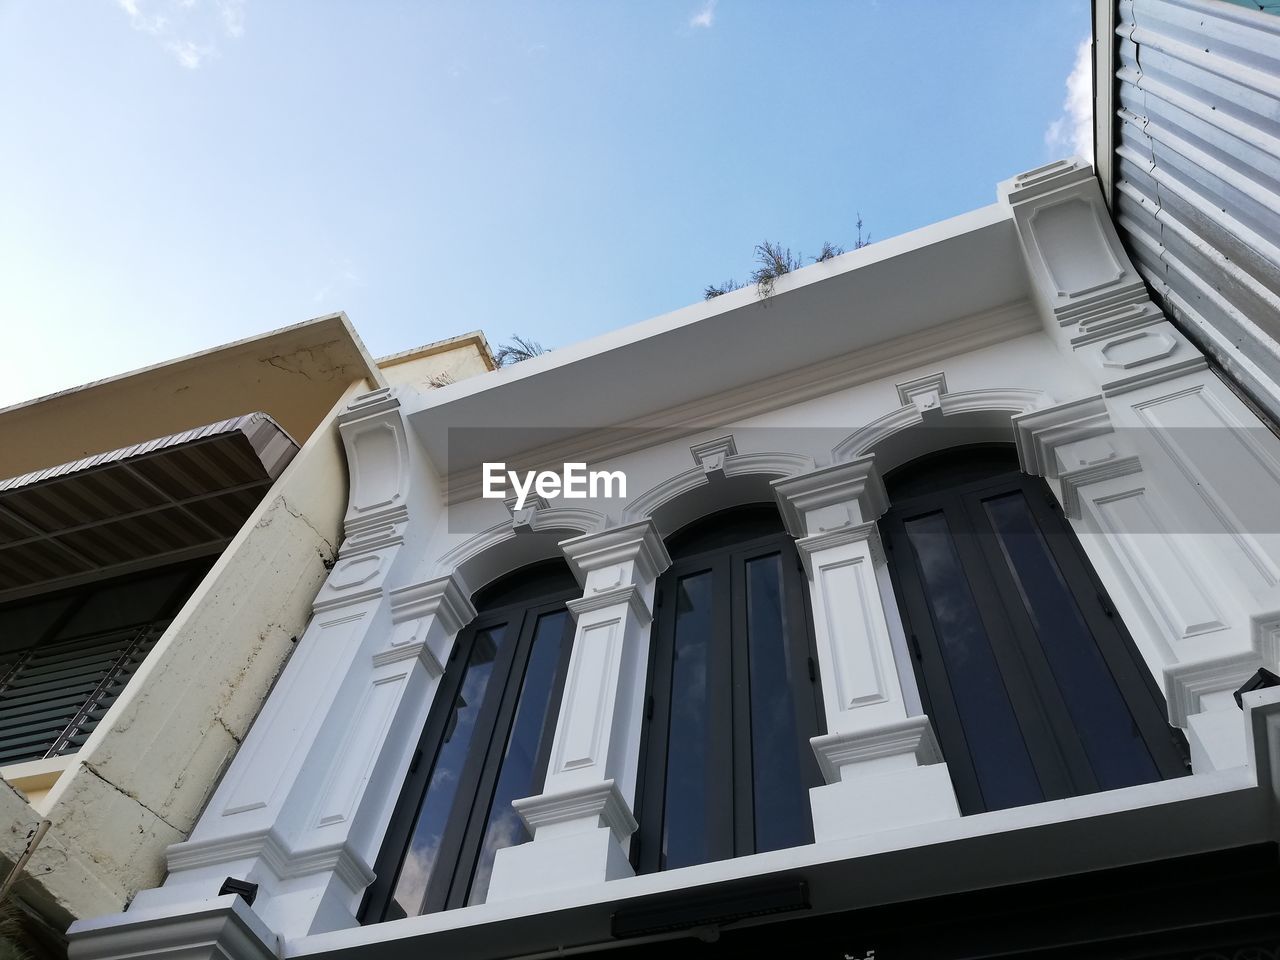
(937, 572)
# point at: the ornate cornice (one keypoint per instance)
(444, 597)
(1039, 433)
(853, 483)
(639, 542)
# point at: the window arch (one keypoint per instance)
(1033, 684)
(734, 698)
(486, 743)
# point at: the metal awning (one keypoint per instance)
(167, 499)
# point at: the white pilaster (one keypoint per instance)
(302, 807)
(582, 821)
(883, 767)
(1179, 501)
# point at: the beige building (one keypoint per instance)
(162, 536)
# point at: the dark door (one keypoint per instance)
(734, 697)
(1034, 685)
(486, 743)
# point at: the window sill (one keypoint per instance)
(1148, 822)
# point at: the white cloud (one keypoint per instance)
(189, 54)
(187, 29)
(232, 14)
(704, 17)
(1072, 132)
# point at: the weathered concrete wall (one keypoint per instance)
(447, 361)
(145, 774)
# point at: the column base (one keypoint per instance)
(884, 801)
(579, 839)
(558, 863)
(1217, 739)
(880, 778)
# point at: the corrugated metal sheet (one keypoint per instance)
(1197, 174)
(170, 497)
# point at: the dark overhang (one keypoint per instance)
(167, 499)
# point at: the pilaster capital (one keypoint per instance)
(635, 548)
(831, 497)
(1040, 434)
(425, 617)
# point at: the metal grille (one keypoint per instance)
(65, 658)
(52, 696)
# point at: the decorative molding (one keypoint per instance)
(265, 845)
(662, 493)
(354, 572)
(827, 498)
(324, 603)
(1073, 481)
(1136, 349)
(602, 801)
(711, 455)
(582, 519)
(1039, 433)
(775, 464)
(1012, 400)
(347, 865)
(607, 597)
(415, 610)
(1045, 179)
(375, 402)
(929, 384)
(220, 928)
(444, 597)
(376, 536)
(1186, 684)
(1266, 637)
(638, 542)
(1170, 371)
(913, 735)
(1134, 312)
(829, 539)
(1091, 265)
(377, 451)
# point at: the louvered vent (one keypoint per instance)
(65, 659)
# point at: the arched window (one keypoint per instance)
(734, 697)
(485, 744)
(1033, 684)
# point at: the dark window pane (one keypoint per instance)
(533, 725)
(23, 625)
(782, 816)
(999, 755)
(124, 604)
(1116, 750)
(686, 822)
(442, 788)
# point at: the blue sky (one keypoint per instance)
(176, 174)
